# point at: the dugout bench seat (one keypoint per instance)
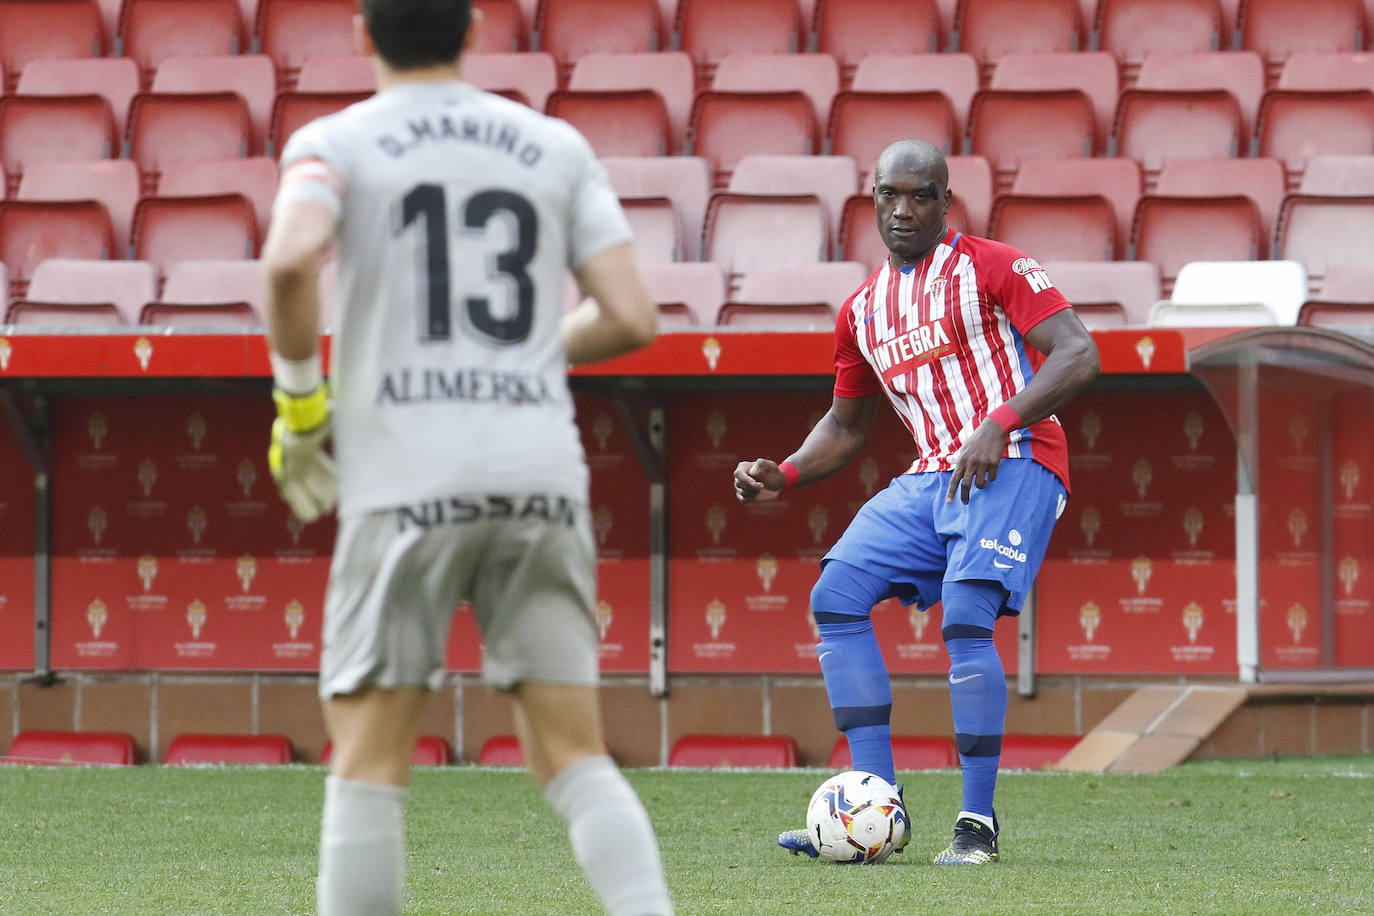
(191, 749)
(58, 747)
(430, 751)
(772, 751)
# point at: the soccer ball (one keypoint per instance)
(856, 818)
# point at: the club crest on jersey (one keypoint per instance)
(1035, 275)
(904, 352)
(935, 289)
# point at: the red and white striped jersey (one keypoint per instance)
(943, 340)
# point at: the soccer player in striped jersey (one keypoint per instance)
(974, 347)
(456, 216)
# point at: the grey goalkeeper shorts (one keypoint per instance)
(526, 562)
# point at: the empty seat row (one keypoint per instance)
(38, 747)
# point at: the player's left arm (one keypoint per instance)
(1071, 363)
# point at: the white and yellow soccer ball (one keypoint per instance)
(856, 818)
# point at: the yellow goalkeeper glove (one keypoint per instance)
(305, 473)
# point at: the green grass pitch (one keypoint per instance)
(1271, 837)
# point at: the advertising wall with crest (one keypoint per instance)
(16, 554)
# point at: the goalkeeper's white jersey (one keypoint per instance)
(460, 213)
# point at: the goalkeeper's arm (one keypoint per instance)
(300, 231)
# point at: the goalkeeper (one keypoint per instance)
(455, 215)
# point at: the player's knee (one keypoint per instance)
(843, 593)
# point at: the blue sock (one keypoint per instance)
(977, 687)
(856, 678)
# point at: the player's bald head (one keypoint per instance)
(915, 156)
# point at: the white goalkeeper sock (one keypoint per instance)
(362, 849)
(611, 836)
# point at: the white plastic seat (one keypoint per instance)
(1279, 286)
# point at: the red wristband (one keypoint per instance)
(1006, 418)
(790, 475)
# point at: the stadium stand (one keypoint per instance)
(668, 73)
(192, 749)
(1131, 30)
(289, 31)
(861, 122)
(684, 180)
(255, 177)
(501, 751)
(503, 27)
(572, 29)
(727, 126)
(1328, 71)
(211, 226)
(745, 231)
(294, 109)
(1240, 73)
(252, 76)
(970, 178)
(208, 294)
(817, 76)
(624, 122)
(834, 179)
(1034, 752)
(1346, 303)
(1318, 230)
(151, 31)
(1339, 175)
(27, 34)
(953, 75)
(851, 30)
(336, 73)
(659, 237)
(769, 751)
(1066, 227)
(800, 297)
(909, 752)
(1094, 73)
(1154, 126)
(1108, 294)
(54, 129)
(1010, 126)
(115, 79)
(1261, 180)
(688, 293)
(1228, 293)
(1171, 231)
(1296, 124)
(430, 751)
(177, 127)
(859, 239)
(41, 746)
(123, 286)
(1279, 28)
(710, 30)
(533, 76)
(1117, 180)
(991, 29)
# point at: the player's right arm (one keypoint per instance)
(834, 442)
(618, 314)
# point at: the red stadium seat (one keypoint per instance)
(991, 29)
(691, 293)
(54, 129)
(1070, 227)
(115, 79)
(684, 180)
(1010, 126)
(1240, 73)
(571, 29)
(859, 238)
(746, 231)
(154, 30)
(289, 31)
(124, 285)
(336, 73)
(533, 75)
(1116, 180)
(775, 316)
(909, 752)
(501, 751)
(1092, 73)
(1328, 71)
(1261, 180)
(1130, 30)
(293, 110)
(657, 229)
(33, 746)
(623, 122)
(1319, 230)
(727, 126)
(669, 73)
(255, 177)
(1154, 126)
(430, 750)
(1349, 282)
(816, 75)
(192, 749)
(114, 183)
(209, 293)
(503, 27)
(1350, 318)
(770, 751)
(833, 179)
(1278, 28)
(829, 284)
(1172, 231)
(1339, 175)
(861, 123)
(850, 30)
(1296, 124)
(953, 75)
(209, 227)
(60, 317)
(710, 30)
(28, 33)
(1121, 290)
(252, 76)
(1033, 752)
(970, 178)
(177, 127)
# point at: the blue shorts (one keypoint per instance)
(911, 538)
